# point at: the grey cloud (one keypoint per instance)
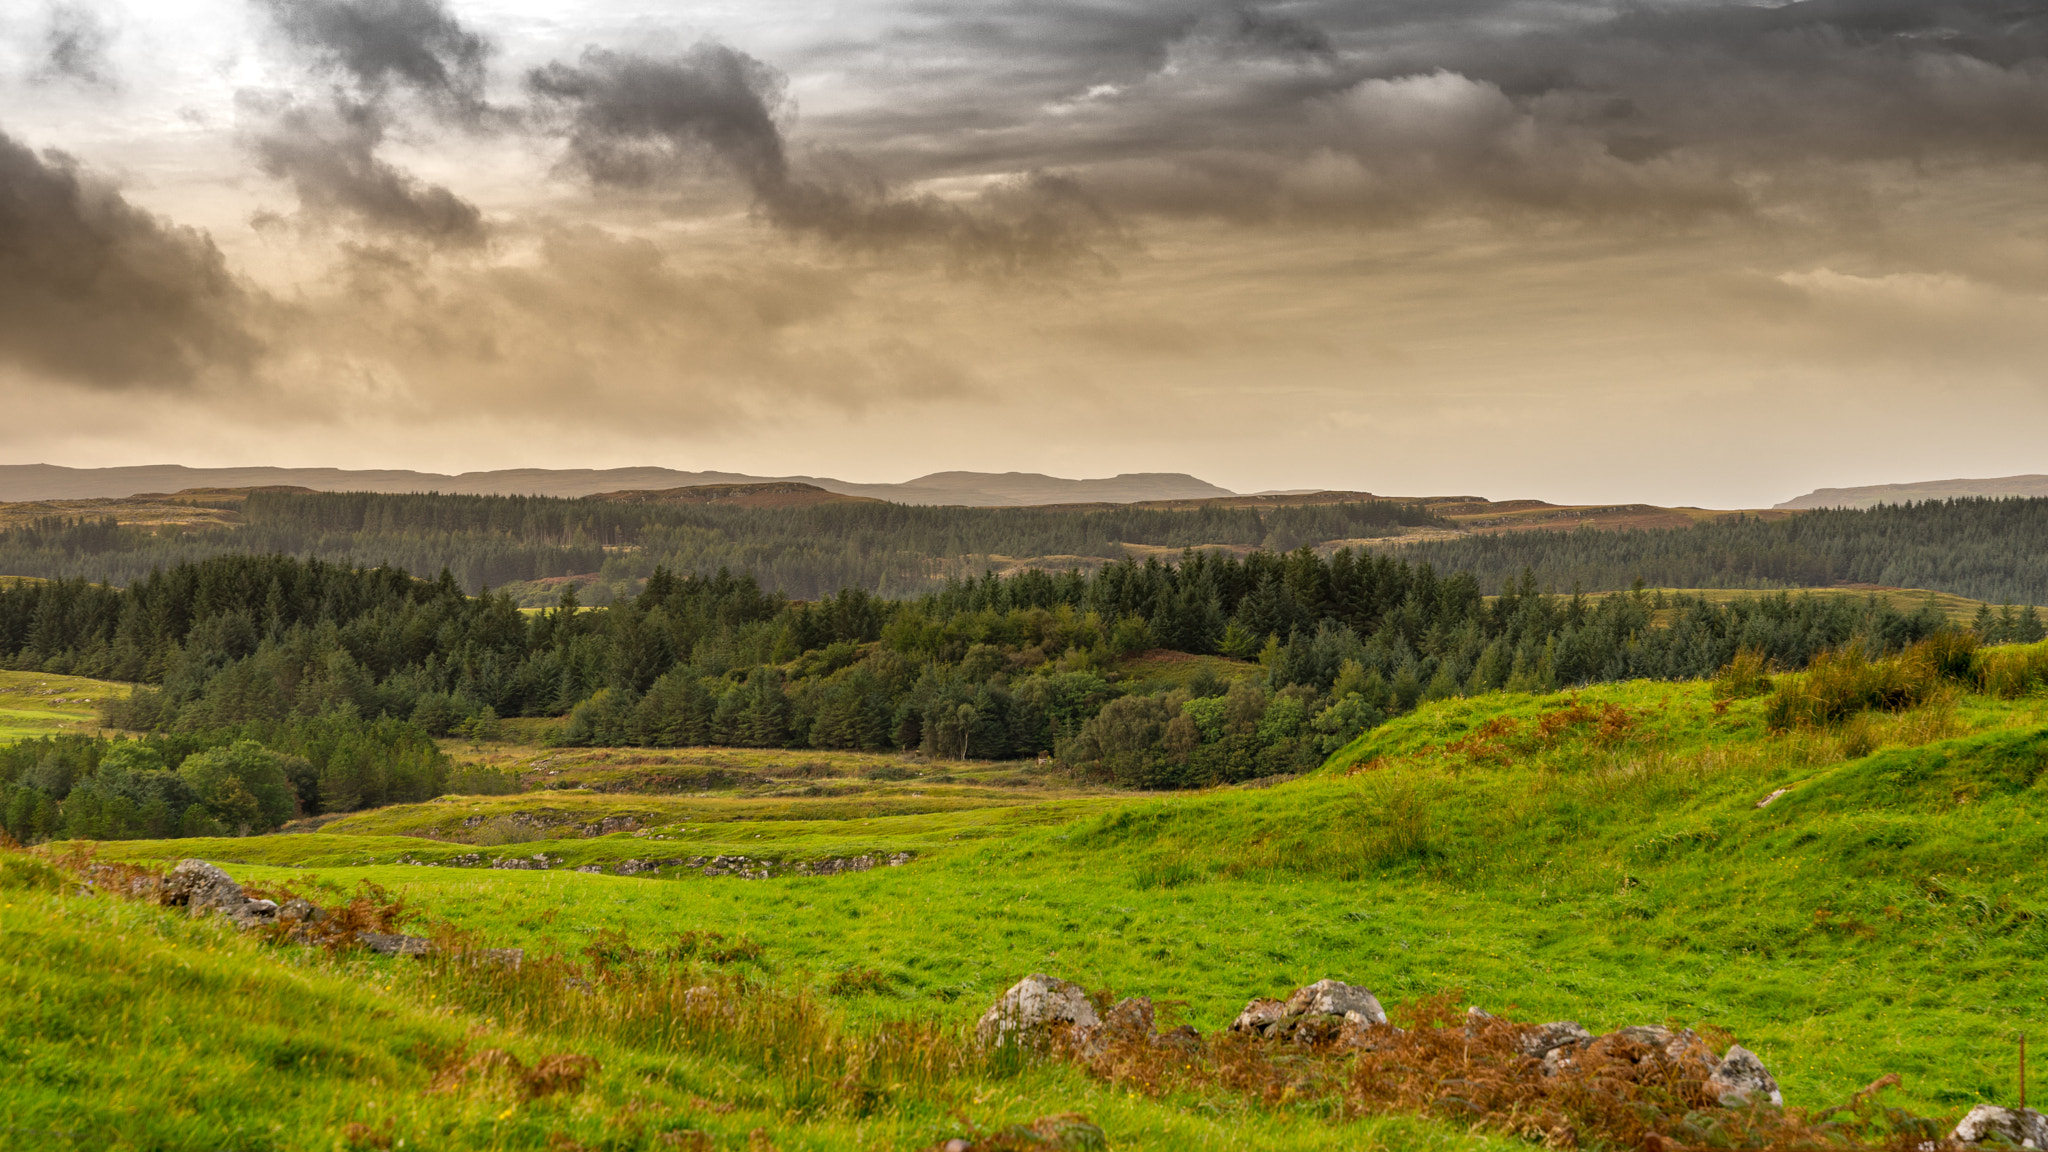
(1603, 108)
(329, 156)
(98, 292)
(417, 45)
(75, 43)
(634, 121)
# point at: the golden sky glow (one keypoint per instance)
(1692, 252)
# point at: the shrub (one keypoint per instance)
(1747, 675)
(1838, 685)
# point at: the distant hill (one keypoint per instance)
(20, 482)
(778, 494)
(1873, 494)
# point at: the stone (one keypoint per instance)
(201, 888)
(1258, 1015)
(1183, 1039)
(1543, 1039)
(1034, 1005)
(1129, 1020)
(2022, 1128)
(394, 944)
(1742, 1079)
(1335, 998)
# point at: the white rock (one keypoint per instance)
(1032, 1005)
(1741, 1078)
(2025, 1128)
(1335, 998)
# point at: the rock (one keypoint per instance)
(300, 910)
(1741, 1079)
(1543, 1039)
(2020, 1128)
(1258, 1015)
(1129, 1020)
(1183, 1039)
(200, 886)
(1031, 1006)
(394, 944)
(590, 868)
(1335, 998)
(203, 888)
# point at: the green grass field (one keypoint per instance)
(39, 704)
(1598, 855)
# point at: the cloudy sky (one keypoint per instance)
(1684, 252)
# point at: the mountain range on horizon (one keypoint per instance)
(20, 482)
(1870, 495)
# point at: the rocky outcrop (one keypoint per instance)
(1543, 1039)
(1742, 1079)
(1323, 1012)
(2020, 1128)
(203, 888)
(1033, 1008)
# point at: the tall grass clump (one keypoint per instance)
(1846, 683)
(2010, 672)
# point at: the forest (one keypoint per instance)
(320, 686)
(1983, 548)
(803, 552)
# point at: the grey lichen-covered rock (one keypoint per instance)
(1543, 1039)
(1129, 1021)
(1336, 998)
(1259, 1014)
(202, 888)
(1742, 1079)
(394, 944)
(1032, 1007)
(2022, 1128)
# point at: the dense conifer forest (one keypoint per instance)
(805, 552)
(1986, 549)
(278, 686)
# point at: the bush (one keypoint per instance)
(1838, 685)
(1747, 675)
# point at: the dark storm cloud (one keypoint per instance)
(75, 43)
(379, 50)
(384, 44)
(329, 156)
(640, 122)
(1390, 109)
(97, 292)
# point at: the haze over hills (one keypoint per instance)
(1873, 494)
(979, 489)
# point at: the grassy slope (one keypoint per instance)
(40, 704)
(1881, 916)
(132, 1027)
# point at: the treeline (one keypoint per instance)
(1317, 649)
(1986, 549)
(220, 781)
(492, 541)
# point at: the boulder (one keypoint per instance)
(1335, 998)
(1258, 1015)
(1683, 1048)
(2021, 1128)
(201, 888)
(1742, 1079)
(1543, 1039)
(1130, 1020)
(1034, 1005)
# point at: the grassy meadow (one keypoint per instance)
(42, 704)
(1604, 855)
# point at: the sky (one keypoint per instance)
(1690, 252)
